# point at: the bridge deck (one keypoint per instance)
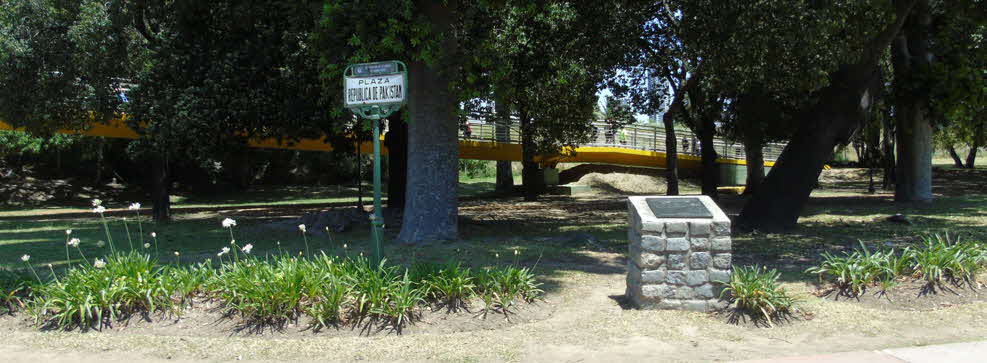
(635, 146)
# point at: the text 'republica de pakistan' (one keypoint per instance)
(375, 90)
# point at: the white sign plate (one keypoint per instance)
(375, 90)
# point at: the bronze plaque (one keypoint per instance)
(678, 208)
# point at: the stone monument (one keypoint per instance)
(679, 247)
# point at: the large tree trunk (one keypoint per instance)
(978, 137)
(711, 170)
(910, 53)
(780, 198)
(754, 150)
(830, 121)
(532, 176)
(431, 209)
(505, 176)
(957, 161)
(671, 157)
(160, 189)
(671, 142)
(888, 158)
(396, 141)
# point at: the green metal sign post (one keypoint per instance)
(374, 91)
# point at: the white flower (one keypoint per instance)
(68, 232)
(147, 245)
(99, 209)
(223, 251)
(247, 248)
(497, 255)
(177, 254)
(232, 241)
(97, 202)
(74, 242)
(26, 258)
(99, 263)
(134, 206)
(301, 227)
(100, 244)
(515, 252)
(154, 235)
(344, 245)
(227, 223)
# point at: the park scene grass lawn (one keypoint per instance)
(674, 180)
(576, 248)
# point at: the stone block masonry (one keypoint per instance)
(675, 262)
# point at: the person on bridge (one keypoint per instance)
(466, 129)
(623, 136)
(685, 144)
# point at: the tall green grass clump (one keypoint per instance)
(853, 272)
(948, 258)
(91, 296)
(756, 290)
(501, 288)
(265, 291)
(940, 258)
(14, 289)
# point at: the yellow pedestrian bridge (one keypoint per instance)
(632, 145)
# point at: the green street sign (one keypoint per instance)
(375, 90)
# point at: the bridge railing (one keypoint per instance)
(639, 137)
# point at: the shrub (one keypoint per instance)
(451, 286)
(91, 296)
(474, 169)
(939, 258)
(500, 288)
(755, 290)
(942, 258)
(263, 291)
(854, 271)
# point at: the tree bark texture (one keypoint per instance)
(671, 157)
(396, 141)
(888, 159)
(532, 176)
(754, 149)
(505, 175)
(910, 54)
(978, 137)
(160, 189)
(779, 200)
(777, 204)
(957, 161)
(431, 208)
(711, 170)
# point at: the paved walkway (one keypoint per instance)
(956, 352)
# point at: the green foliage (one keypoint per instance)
(943, 257)
(330, 290)
(501, 288)
(14, 288)
(940, 258)
(857, 270)
(452, 285)
(756, 290)
(475, 169)
(90, 296)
